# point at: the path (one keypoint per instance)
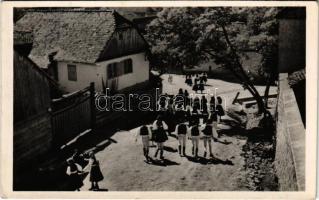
(226, 90)
(123, 166)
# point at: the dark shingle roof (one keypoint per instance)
(77, 36)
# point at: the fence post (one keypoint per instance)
(92, 105)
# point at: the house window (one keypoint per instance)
(111, 70)
(72, 73)
(120, 68)
(128, 67)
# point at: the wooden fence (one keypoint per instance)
(72, 115)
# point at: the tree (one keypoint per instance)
(265, 41)
(189, 35)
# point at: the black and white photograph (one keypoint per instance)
(163, 99)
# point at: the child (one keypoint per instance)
(204, 108)
(219, 108)
(205, 77)
(181, 131)
(187, 98)
(160, 128)
(214, 119)
(208, 135)
(201, 86)
(212, 104)
(195, 139)
(74, 171)
(95, 172)
(170, 79)
(188, 115)
(145, 133)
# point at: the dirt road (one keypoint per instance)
(123, 166)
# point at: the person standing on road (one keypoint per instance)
(95, 172)
(201, 86)
(145, 133)
(204, 108)
(212, 104)
(208, 135)
(195, 135)
(74, 171)
(181, 131)
(219, 108)
(160, 136)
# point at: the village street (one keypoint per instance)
(124, 169)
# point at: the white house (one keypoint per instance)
(80, 46)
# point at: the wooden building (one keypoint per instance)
(292, 52)
(78, 47)
(32, 134)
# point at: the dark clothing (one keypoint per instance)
(204, 78)
(213, 117)
(212, 107)
(201, 85)
(182, 129)
(220, 110)
(196, 87)
(160, 135)
(75, 177)
(95, 172)
(194, 119)
(195, 131)
(144, 130)
(188, 115)
(208, 131)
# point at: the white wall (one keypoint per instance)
(93, 73)
(85, 74)
(140, 70)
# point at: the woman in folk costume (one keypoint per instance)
(188, 80)
(204, 108)
(180, 112)
(74, 171)
(214, 119)
(160, 136)
(196, 83)
(170, 115)
(187, 98)
(204, 77)
(181, 131)
(195, 136)
(188, 114)
(219, 108)
(95, 172)
(195, 112)
(212, 104)
(145, 134)
(208, 135)
(201, 86)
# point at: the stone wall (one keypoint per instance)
(290, 140)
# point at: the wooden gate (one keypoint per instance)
(73, 115)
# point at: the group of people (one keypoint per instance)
(190, 118)
(199, 82)
(75, 170)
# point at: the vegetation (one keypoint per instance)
(184, 37)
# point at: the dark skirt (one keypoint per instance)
(96, 174)
(196, 87)
(189, 81)
(160, 136)
(220, 110)
(204, 79)
(201, 86)
(76, 181)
